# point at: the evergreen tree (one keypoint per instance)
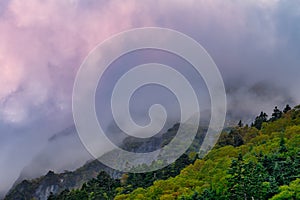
(240, 124)
(51, 196)
(259, 120)
(282, 147)
(276, 114)
(247, 180)
(287, 108)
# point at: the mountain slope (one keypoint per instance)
(53, 183)
(41, 188)
(247, 163)
(257, 169)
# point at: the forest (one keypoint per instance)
(256, 161)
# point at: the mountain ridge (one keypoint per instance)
(54, 183)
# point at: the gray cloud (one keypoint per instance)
(255, 44)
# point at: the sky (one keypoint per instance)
(255, 44)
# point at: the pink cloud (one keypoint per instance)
(44, 42)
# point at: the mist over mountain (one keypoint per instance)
(246, 101)
(64, 152)
(255, 45)
(240, 141)
(56, 179)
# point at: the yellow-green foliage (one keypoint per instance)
(291, 191)
(211, 171)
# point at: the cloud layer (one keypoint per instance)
(43, 42)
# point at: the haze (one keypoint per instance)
(255, 44)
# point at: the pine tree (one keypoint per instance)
(240, 124)
(287, 108)
(259, 120)
(276, 114)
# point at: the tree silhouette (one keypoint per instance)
(276, 114)
(240, 124)
(263, 117)
(287, 108)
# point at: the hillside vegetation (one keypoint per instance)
(260, 161)
(248, 163)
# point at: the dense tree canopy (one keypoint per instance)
(259, 162)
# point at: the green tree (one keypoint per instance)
(247, 180)
(290, 192)
(259, 120)
(276, 114)
(240, 124)
(287, 108)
